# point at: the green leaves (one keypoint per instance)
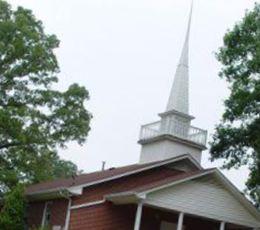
(12, 215)
(237, 138)
(35, 119)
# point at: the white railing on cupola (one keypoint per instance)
(176, 129)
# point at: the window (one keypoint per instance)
(46, 214)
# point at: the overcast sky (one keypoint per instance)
(125, 53)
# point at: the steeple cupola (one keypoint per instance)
(173, 134)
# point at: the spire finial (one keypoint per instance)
(179, 96)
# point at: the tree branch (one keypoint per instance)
(13, 104)
(10, 144)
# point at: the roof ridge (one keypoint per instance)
(99, 171)
(82, 174)
(99, 176)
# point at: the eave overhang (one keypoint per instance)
(77, 190)
(125, 198)
(175, 112)
(169, 137)
(54, 194)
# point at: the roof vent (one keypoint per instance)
(112, 168)
(103, 165)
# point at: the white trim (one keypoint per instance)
(222, 225)
(67, 221)
(89, 204)
(122, 194)
(125, 194)
(138, 217)
(180, 221)
(58, 189)
(44, 212)
(125, 198)
(75, 191)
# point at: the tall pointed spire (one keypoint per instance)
(179, 96)
(173, 134)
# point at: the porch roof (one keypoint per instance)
(142, 193)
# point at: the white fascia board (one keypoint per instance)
(57, 191)
(120, 194)
(125, 197)
(125, 194)
(46, 191)
(89, 204)
(75, 190)
(185, 156)
(46, 195)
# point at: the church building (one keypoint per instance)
(167, 189)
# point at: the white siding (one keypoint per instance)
(165, 149)
(203, 197)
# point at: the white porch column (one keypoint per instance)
(180, 221)
(67, 221)
(138, 216)
(222, 225)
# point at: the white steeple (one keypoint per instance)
(173, 134)
(179, 96)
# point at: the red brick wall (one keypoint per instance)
(103, 217)
(34, 214)
(97, 192)
(58, 213)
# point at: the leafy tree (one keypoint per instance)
(12, 216)
(35, 119)
(237, 138)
